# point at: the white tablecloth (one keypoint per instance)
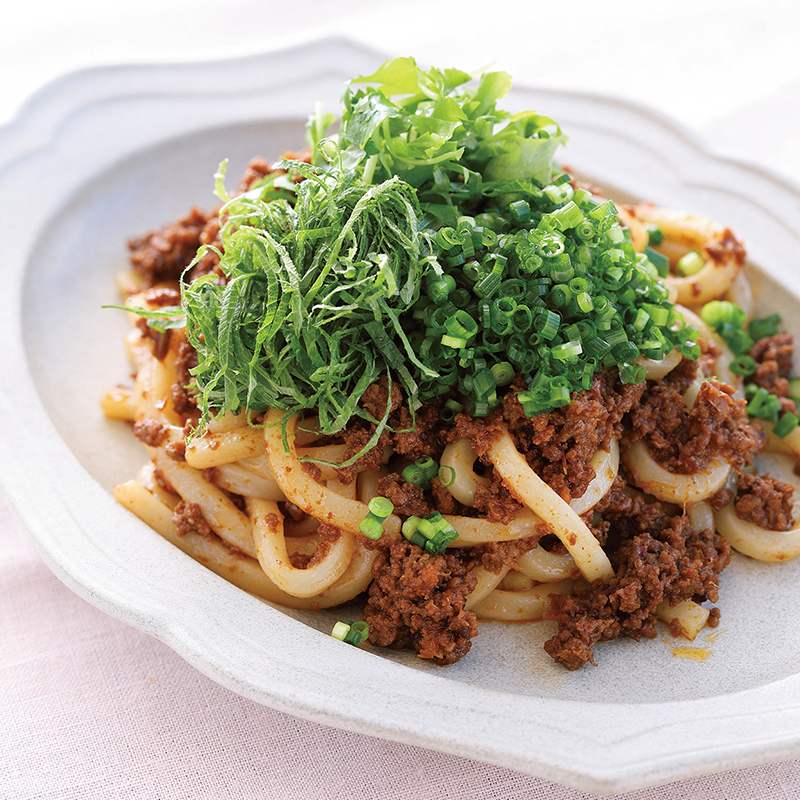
(90, 708)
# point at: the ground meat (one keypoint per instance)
(161, 296)
(411, 437)
(495, 501)
(656, 557)
(408, 499)
(773, 356)
(182, 398)
(164, 253)
(765, 501)
(257, 169)
(710, 351)
(176, 450)
(357, 436)
(188, 518)
(482, 432)
(293, 511)
(160, 339)
(151, 432)
(494, 556)
(444, 502)
(720, 499)
(376, 399)
(422, 435)
(726, 248)
(416, 600)
(558, 445)
(661, 409)
(685, 442)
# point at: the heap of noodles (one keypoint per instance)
(422, 370)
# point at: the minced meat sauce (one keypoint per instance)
(656, 555)
(417, 600)
(765, 501)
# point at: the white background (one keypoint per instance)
(92, 709)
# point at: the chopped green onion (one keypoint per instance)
(568, 216)
(559, 194)
(447, 475)
(743, 365)
(350, 632)
(503, 373)
(658, 260)
(765, 326)
(371, 527)
(786, 424)
(413, 474)
(632, 373)
(603, 211)
(584, 230)
(440, 288)
(569, 351)
(381, 507)
(453, 341)
(547, 323)
(764, 405)
(520, 210)
(372, 524)
(340, 629)
(690, 264)
(433, 533)
(654, 234)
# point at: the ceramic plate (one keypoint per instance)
(106, 154)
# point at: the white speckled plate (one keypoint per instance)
(105, 154)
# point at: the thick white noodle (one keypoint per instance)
(655, 370)
(367, 483)
(119, 403)
(460, 457)
(606, 467)
(753, 540)
(473, 530)
(787, 444)
(313, 498)
(520, 606)
(545, 567)
(273, 556)
(487, 582)
(530, 490)
(225, 447)
(684, 490)
(636, 228)
(515, 581)
(686, 619)
(240, 480)
(690, 395)
(741, 293)
(683, 231)
(701, 515)
(218, 510)
(240, 570)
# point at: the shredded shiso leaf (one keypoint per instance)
(431, 241)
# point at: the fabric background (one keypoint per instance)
(90, 708)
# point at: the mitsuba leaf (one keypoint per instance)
(528, 145)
